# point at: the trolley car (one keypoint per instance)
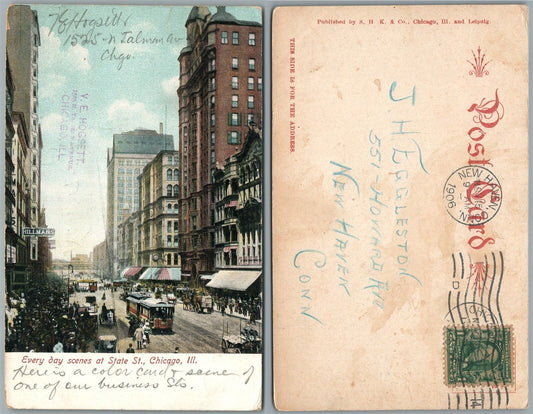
(158, 313)
(86, 285)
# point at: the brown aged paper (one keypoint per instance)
(400, 212)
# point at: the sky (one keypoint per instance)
(102, 70)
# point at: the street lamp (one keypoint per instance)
(71, 270)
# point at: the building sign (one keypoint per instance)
(38, 231)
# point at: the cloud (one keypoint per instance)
(62, 57)
(50, 123)
(170, 86)
(124, 115)
(50, 84)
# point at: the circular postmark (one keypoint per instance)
(472, 195)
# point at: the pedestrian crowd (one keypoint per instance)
(38, 320)
(247, 307)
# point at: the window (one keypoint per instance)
(176, 160)
(250, 102)
(234, 82)
(212, 64)
(235, 38)
(169, 159)
(212, 138)
(212, 157)
(176, 190)
(169, 256)
(175, 208)
(176, 174)
(175, 227)
(169, 190)
(176, 241)
(234, 119)
(224, 38)
(169, 226)
(251, 83)
(194, 222)
(169, 174)
(251, 39)
(169, 208)
(234, 137)
(259, 84)
(213, 120)
(169, 241)
(251, 64)
(176, 258)
(250, 119)
(234, 101)
(137, 171)
(235, 63)
(121, 170)
(213, 101)
(212, 84)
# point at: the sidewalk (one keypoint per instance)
(233, 315)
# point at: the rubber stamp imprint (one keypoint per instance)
(473, 195)
(479, 355)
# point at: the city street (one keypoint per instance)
(192, 332)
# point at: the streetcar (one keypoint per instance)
(133, 307)
(86, 285)
(158, 313)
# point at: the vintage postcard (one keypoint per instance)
(400, 207)
(133, 207)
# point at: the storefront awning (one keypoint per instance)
(207, 277)
(130, 271)
(161, 273)
(239, 280)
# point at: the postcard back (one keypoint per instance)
(400, 207)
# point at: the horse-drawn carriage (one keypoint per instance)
(107, 317)
(106, 344)
(248, 342)
(198, 302)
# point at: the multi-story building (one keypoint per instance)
(22, 43)
(238, 217)
(12, 238)
(249, 211)
(45, 255)
(220, 94)
(129, 241)
(100, 260)
(130, 153)
(159, 225)
(21, 157)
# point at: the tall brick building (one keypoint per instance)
(220, 94)
(23, 144)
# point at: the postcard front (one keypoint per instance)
(133, 234)
(400, 207)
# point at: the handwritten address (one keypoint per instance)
(110, 34)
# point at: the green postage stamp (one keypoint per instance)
(479, 355)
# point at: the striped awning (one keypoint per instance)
(130, 271)
(162, 273)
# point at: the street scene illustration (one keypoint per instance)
(133, 179)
